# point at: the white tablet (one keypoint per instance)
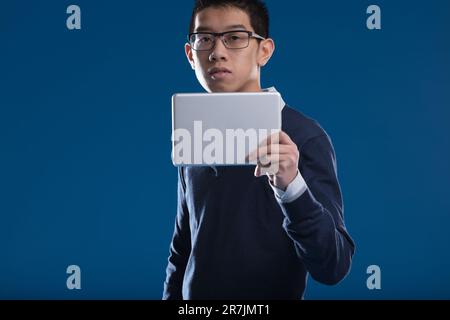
(222, 128)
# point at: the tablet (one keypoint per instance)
(222, 128)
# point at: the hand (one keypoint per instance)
(277, 156)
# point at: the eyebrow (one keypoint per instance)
(234, 26)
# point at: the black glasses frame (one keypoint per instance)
(251, 34)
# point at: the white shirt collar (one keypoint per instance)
(273, 89)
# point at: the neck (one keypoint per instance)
(253, 86)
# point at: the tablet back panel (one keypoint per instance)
(213, 128)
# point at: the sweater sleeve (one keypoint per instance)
(180, 247)
(315, 221)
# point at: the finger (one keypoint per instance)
(270, 149)
(273, 164)
(257, 171)
(268, 159)
(280, 137)
(273, 138)
(282, 161)
(268, 141)
(285, 139)
(270, 176)
(270, 171)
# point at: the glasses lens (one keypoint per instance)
(202, 41)
(236, 40)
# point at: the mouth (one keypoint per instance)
(219, 73)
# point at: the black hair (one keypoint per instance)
(255, 9)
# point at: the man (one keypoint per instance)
(238, 236)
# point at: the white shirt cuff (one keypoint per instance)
(294, 190)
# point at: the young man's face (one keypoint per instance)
(238, 69)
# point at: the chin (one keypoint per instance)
(220, 88)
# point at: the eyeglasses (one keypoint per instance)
(237, 39)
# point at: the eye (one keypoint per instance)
(205, 39)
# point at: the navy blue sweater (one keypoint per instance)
(233, 240)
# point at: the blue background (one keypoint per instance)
(85, 118)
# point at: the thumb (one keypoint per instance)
(257, 171)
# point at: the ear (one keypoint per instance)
(265, 52)
(188, 51)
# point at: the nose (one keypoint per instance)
(219, 52)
